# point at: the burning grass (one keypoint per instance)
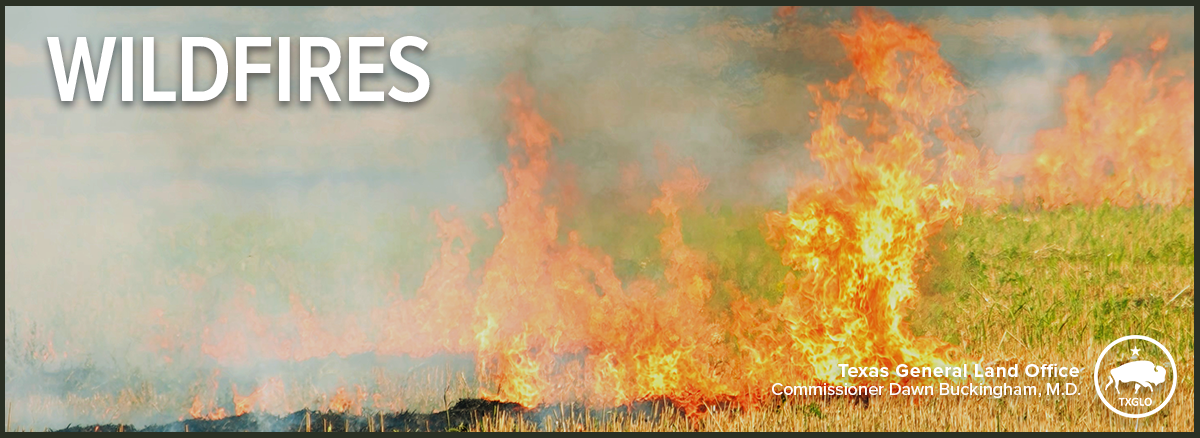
(897, 253)
(1015, 284)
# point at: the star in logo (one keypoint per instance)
(1135, 351)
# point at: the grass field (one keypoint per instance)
(1010, 286)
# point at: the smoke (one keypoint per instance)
(137, 234)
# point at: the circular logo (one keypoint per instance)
(1143, 372)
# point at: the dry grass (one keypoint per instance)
(1080, 414)
(1013, 286)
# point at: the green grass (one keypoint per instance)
(1053, 281)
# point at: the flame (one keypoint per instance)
(654, 343)
(266, 397)
(535, 290)
(438, 318)
(198, 408)
(1159, 44)
(1101, 41)
(855, 240)
(342, 401)
(210, 410)
(1126, 143)
(548, 319)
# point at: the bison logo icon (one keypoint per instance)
(1134, 361)
(1142, 373)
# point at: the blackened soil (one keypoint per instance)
(463, 415)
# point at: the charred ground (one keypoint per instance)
(466, 414)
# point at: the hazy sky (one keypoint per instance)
(724, 83)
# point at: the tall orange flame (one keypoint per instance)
(856, 238)
(536, 291)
